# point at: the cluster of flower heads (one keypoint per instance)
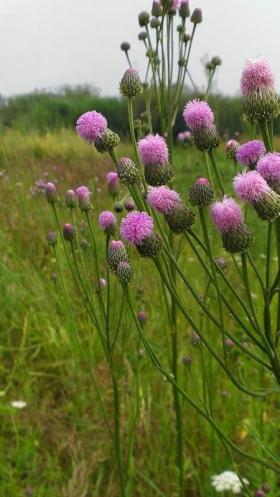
(228, 481)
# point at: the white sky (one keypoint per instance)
(48, 43)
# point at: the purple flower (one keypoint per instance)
(249, 153)
(250, 186)
(112, 178)
(226, 215)
(197, 115)
(269, 167)
(83, 194)
(116, 245)
(106, 220)
(136, 226)
(153, 150)
(184, 136)
(91, 125)
(176, 4)
(163, 199)
(256, 76)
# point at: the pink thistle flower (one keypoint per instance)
(231, 149)
(269, 167)
(106, 220)
(91, 125)
(198, 114)
(226, 215)
(50, 192)
(83, 194)
(250, 186)
(102, 283)
(249, 153)
(256, 76)
(153, 150)
(136, 226)
(163, 199)
(112, 178)
(116, 245)
(176, 4)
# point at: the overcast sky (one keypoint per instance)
(48, 43)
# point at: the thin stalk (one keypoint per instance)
(216, 171)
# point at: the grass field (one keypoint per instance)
(58, 444)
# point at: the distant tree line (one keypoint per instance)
(45, 111)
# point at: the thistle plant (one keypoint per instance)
(162, 225)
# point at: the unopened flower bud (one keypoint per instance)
(83, 195)
(216, 60)
(142, 317)
(196, 17)
(156, 8)
(129, 204)
(229, 343)
(118, 206)
(124, 272)
(154, 23)
(52, 238)
(195, 340)
(68, 232)
(184, 10)
(143, 19)
(107, 222)
(260, 493)
(84, 244)
(54, 277)
(150, 246)
(102, 283)
(131, 85)
(127, 171)
(142, 36)
(116, 254)
(232, 147)
(186, 38)
(125, 46)
(71, 199)
(107, 141)
(187, 361)
(201, 193)
(51, 193)
(220, 263)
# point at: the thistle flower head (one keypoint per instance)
(249, 153)
(91, 125)
(163, 199)
(83, 194)
(71, 199)
(256, 76)
(116, 245)
(197, 115)
(232, 147)
(116, 254)
(153, 150)
(196, 17)
(226, 215)
(143, 18)
(269, 167)
(184, 10)
(201, 193)
(112, 178)
(131, 85)
(50, 192)
(124, 272)
(175, 4)
(250, 186)
(107, 222)
(136, 226)
(157, 8)
(52, 238)
(127, 171)
(125, 46)
(68, 232)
